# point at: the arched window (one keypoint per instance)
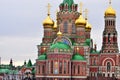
(65, 27)
(108, 37)
(52, 67)
(49, 67)
(38, 69)
(73, 28)
(60, 67)
(74, 69)
(43, 69)
(94, 61)
(108, 66)
(65, 65)
(68, 67)
(114, 37)
(78, 69)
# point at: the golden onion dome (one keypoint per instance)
(110, 11)
(88, 26)
(80, 21)
(55, 25)
(48, 21)
(59, 33)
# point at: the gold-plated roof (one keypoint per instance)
(80, 21)
(88, 26)
(59, 33)
(48, 21)
(110, 11)
(55, 25)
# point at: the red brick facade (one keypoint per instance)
(61, 63)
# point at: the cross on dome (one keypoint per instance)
(48, 6)
(81, 7)
(86, 13)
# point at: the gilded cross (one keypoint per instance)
(86, 13)
(48, 6)
(110, 1)
(81, 7)
(56, 13)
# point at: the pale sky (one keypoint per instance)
(21, 27)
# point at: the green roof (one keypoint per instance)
(5, 66)
(87, 42)
(78, 57)
(60, 45)
(29, 64)
(4, 70)
(42, 57)
(95, 52)
(8, 71)
(13, 71)
(69, 2)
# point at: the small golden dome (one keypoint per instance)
(48, 21)
(59, 33)
(55, 25)
(88, 26)
(110, 11)
(80, 21)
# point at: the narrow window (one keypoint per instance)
(65, 27)
(73, 28)
(108, 66)
(60, 65)
(109, 38)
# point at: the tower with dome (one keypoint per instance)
(67, 51)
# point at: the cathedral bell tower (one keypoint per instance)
(110, 44)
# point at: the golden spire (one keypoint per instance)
(55, 24)
(56, 13)
(59, 32)
(86, 14)
(81, 7)
(48, 6)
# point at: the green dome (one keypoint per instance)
(69, 2)
(60, 45)
(87, 42)
(78, 57)
(42, 57)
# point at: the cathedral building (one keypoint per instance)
(67, 51)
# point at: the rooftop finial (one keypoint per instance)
(81, 7)
(110, 1)
(48, 6)
(59, 32)
(56, 13)
(86, 13)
